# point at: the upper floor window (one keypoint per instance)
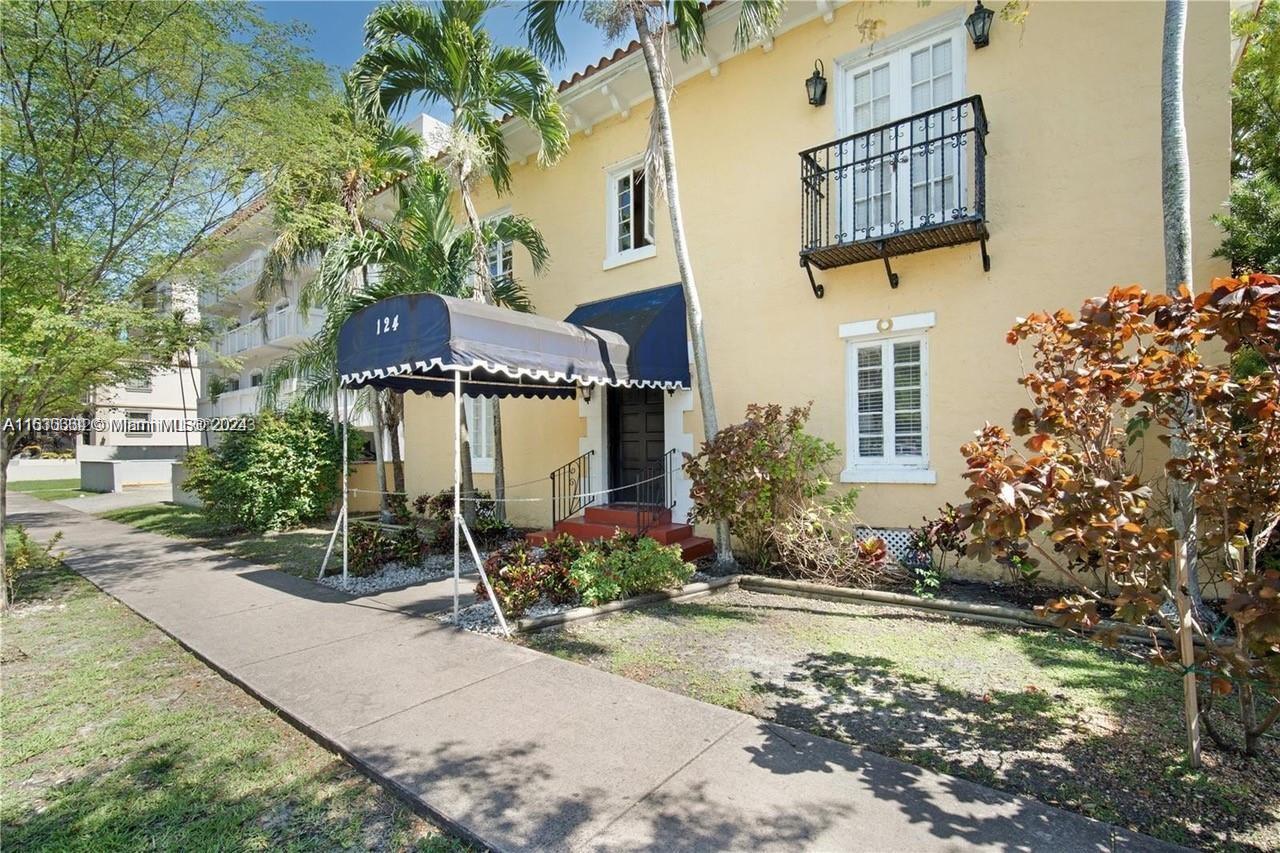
(630, 214)
(255, 379)
(887, 402)
(233, 383)
(499, 258)
(142, 385)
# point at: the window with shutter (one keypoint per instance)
(888, 400)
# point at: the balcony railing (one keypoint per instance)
(234, 279)
(907, 186)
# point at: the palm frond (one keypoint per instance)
(541, 20)
(687, 22)
(757, 19)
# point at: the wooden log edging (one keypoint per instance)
(586, 614)
(962, 609)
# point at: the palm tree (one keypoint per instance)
(442, 55)
(653, 21)
(422, 250)
(321, 197)
(1175, 191)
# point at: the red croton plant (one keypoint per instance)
(1135, 365)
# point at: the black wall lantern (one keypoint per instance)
(816, 85)
(979, 25)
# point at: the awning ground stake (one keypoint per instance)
(333, 537)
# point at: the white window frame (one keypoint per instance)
(891, 330)
(481, 463)
(896, 51)
(131, 415)
(613, 257)
(503, 247)
(138, 386)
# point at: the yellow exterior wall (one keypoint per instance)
(1073, 204)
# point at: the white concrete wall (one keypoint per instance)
(113, 476)
(25, 470)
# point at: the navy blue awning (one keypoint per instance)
(653, 324)
(417, 342)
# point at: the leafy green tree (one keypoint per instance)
(422, 250)
(322, 195)
(686, 21)
(278, 475)
(443, 55)
(130, 131)
(1252, 223)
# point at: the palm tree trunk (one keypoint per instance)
(693, 306)
(485, 292)
(1175, 193)
(395, 417)
(499, 468)
(379, 456)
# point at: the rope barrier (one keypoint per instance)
(596, 493)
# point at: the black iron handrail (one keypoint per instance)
(653, 492)
(571, 488)
(863, 186)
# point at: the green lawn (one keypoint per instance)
(115, 738)
(50, 490)
(1037, 713)
(297, 552)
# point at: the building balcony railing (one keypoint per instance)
(907, 186)
(282, 328)
(234, 279)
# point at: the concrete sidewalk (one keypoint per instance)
(522, 751)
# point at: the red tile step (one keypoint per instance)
(624, 515)
(603, 521)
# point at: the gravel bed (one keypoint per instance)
(480, 617)
(395, 575)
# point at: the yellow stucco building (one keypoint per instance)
(1040, 150)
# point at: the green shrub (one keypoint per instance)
(373, 547)
(283, 472)
(516, 577)
(437, 511)
(24, 555)
(594, 579)
(627, 565)
(757, 474)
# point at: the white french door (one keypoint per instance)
(903, 174)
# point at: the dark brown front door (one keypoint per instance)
(636, 439)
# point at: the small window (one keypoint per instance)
(233, 383)
(630, 215)
(888, 401)
(137, 424)
(500, 260)
(480, 431)
(142, 385)
(255, 380)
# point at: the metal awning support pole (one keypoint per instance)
(457, 484)
(345, 445)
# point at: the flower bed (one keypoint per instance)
(533, 581)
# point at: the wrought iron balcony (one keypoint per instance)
(907, 186)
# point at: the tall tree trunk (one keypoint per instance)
(468, 479)
(484, 291)
(1175, 193)
(499, 467)
(693, 306)
(379, 456)
(395, 417)
(4, 520)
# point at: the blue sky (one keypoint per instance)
(337, 30)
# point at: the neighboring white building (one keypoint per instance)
(145, 419)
